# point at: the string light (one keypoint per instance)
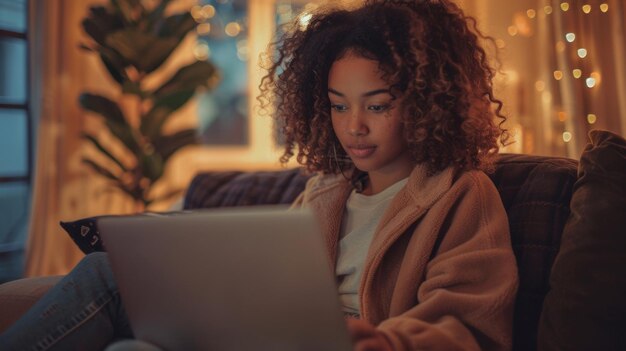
(201, 51)
(208, 11)
(567, 136)
(512, 30)
(586, 9)
(564, 6)
(582, 52)
(591, 82)
(203, 29)
(570, 37)
(604, 7)
(547, 9)
(592, 118)
(558, 75)
(540, 85)
(560, 46)
(197, 14)
(597, 76)
(531, 13)
(232, 29)
(501, 44)
(577, 73)
(562, 116)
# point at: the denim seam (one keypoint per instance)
(81, 318)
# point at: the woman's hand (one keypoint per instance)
(365, 337)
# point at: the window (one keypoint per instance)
(15, 137)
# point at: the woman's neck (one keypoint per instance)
(377, 182)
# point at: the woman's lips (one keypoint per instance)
(361, 151)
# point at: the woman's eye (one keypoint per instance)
(338, 107)
(378, 108)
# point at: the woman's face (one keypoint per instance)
(366, 119)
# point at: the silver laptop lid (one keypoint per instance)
(254, 278)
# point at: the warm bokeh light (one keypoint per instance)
(547, 9)
(597, 76)
(586, 8)
(558, 75)
(590, 82)
(604, 7)
(582, 52)
(201, 51)
(232, 29)
(531, 13)
(500, 44)
(540, 85)
(562, 116)
(564, 6)
(592, 118)
(577, 73)
(560, 46)
(203, 29)
(208, 11)
(196, 13)
(570, 37)
(243, 52)
(567, 136)
(512, 30)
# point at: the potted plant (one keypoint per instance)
(133, 40)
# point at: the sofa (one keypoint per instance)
(555, 206)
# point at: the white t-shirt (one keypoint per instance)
(363, 213)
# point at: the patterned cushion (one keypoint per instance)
(535, 190)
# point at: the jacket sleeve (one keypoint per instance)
(466, 299)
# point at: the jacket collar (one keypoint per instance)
(329, 194)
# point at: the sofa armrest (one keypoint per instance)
(17, 296)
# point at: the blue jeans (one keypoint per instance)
(82, 312)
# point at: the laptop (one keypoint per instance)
(253, 278)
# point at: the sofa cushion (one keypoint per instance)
(536, 192)
(223, 189)
(585, 308)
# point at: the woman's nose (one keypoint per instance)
(356, 125)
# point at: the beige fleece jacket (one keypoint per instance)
(440, 273)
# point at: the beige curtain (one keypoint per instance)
(63, 188)
(549, 107)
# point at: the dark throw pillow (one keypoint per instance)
(85, 233)
(585, 308)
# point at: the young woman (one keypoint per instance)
(391, 104)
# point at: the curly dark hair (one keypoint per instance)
(428, 51)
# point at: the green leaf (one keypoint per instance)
(177, 25)
(101, 22)
(119, 75)
(152, 165)
(134, 88)
(129, 9)
(113, 116)
(100, 169)
(167, 145)
(103, 150)
(143, 50)
(102, 106)
(189, 78)
(153, 121)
